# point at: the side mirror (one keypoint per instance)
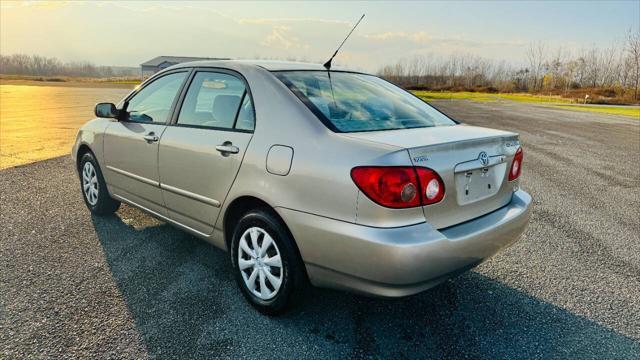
(106, 110)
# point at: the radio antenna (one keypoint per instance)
(327, 65)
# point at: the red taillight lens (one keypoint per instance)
(516, 165)
(399, 186)
(432, 186)
(391, 186)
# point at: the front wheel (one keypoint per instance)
(268, 268)
(94, 188)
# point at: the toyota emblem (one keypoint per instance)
(484, 158)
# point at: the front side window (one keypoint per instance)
(153, 103)
(351, 102)
(215, 100)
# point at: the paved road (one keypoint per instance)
(132, 287)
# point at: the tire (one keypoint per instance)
(94, 189)
(270, 299)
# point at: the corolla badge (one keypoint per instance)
(484, 158)
(421, 158)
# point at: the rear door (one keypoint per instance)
(201, 151)
(131, 144)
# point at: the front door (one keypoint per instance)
(201, 153)
(131, 144)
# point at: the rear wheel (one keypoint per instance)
(94, 188)
(267, 266)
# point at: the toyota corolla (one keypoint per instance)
(335, 178)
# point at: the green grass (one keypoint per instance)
(486, 97)
(529, 98)
(447, 95)
(624, 111)
(122, 82)
(552, 101)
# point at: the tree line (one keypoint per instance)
(614, 70)
(36, 65)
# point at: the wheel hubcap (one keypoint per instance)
(90, 183)
(260, 263)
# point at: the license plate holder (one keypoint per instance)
(476, 184)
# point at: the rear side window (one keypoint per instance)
(214, 101)
(352, 102)
(246, 118)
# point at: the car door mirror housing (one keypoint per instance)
(106, 110)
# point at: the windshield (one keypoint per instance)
(355, 102)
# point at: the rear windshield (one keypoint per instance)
(353, 102)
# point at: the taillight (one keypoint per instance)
(516, 165)
(432, 186)
(399, 186)
(390, 186)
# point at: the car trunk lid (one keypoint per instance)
(473, 163)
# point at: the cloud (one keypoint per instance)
(280, 34)
(36, 4)
(417, 37)
(149, 6)
(280, 38)
(421, 40)
(271, 21)
(241, 34)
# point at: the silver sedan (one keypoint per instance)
(334, 178)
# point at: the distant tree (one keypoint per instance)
(35, 65)
(536, 55)
(633, 49)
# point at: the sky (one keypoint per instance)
(129, 33)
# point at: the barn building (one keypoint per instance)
(162, 62)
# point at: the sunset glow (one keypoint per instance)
(128, 33)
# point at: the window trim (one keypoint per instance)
(235, 120)
(154, 78)
(185, 89)
(326, 121)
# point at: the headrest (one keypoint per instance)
(225, 107)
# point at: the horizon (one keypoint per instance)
(310, 31)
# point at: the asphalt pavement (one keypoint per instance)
(130, 286)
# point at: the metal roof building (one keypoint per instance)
(162, 62)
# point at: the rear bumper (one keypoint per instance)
(394, 262)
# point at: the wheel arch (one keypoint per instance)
(241, 205)
(83, 149)
(236, 209)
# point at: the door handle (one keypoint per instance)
(151, 137)
(227, 148)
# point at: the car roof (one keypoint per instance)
(269, 65)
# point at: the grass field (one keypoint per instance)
(613, 110)
(120, 82)
(69, 81)
(484, 97)
(41, 122)
(553, 101)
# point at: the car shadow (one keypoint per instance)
(183, 298)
